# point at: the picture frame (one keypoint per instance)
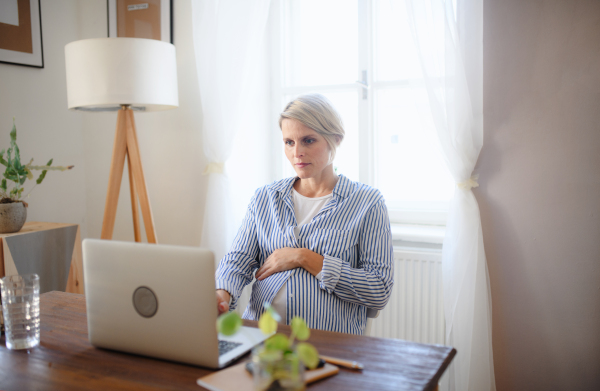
(151, 19)
(21, 33)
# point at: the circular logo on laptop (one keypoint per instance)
(145, 302)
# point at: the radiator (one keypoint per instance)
(415, 311)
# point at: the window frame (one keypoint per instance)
(432, 214)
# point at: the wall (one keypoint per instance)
(540, 191)
(170, 141)
(37, 98)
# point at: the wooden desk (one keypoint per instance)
(65, 360)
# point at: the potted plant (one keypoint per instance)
(13, 210)
(279, 363)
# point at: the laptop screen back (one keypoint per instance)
(152, 300)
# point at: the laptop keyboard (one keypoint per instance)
(226, 346)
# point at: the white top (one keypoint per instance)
(305, 208)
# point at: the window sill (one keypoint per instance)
(418, 236)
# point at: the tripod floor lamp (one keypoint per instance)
(123, 75)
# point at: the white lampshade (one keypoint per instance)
(105, 73)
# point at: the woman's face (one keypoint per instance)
(307, 150)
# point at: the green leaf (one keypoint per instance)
(14, 147)
(273, 313)
(9, 157)
(300, 329)
(41, 177)
(2, 161)
(229, 323)
(267, 324)
(277, 342)
(43, 174)
(3, 185)
(308, 354)
(11, 174)
(13, 134)
(17, 159)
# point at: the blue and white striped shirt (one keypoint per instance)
(352, 233)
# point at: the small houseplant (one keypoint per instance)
(13, 210)
(279, 363)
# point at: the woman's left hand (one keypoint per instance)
(288, 258)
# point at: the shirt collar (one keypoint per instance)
(343, 188)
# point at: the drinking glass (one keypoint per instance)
(273, 371)
(21, 310)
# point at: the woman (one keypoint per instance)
(319, 244)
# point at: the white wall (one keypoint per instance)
(37, 98)
(539, 191)
(170, 141)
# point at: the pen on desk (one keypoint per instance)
(342, 363)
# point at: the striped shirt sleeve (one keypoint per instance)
(236, 269)
(371, 283)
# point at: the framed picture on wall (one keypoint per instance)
(21, 33)
(152, 19)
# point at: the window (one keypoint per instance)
(360, 55)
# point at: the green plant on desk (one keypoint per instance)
(280, 356)
(16, 173)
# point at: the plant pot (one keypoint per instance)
(12, 217)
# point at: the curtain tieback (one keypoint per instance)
(214, 168)
(469, 183)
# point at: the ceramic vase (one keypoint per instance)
(12, 217)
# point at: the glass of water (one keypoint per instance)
(21, 310)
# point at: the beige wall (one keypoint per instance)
(540, 191)
(37, 98)
(170, 141)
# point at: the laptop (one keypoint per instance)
(158, 301)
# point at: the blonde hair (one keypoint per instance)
(317, 112)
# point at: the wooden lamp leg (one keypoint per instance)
(126, 145)
(116, 174)
(138, 178)
(134, 204)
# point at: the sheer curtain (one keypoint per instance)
(451, 57)
(227, 38)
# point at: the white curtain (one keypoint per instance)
(451, 56)
(227, 38)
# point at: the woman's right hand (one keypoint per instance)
(222, 301)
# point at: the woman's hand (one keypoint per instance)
(288, 258)
(223, 301)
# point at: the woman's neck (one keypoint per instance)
(317, 186)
